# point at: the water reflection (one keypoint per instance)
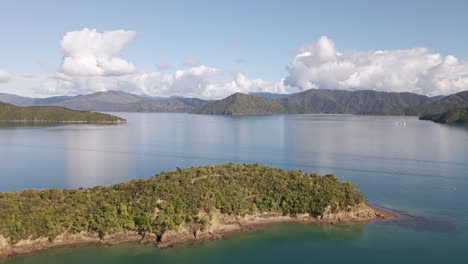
(352, 147)
(92, 157)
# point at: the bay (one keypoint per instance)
(418, 168)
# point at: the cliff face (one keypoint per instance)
(218, 226)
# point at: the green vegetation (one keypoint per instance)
(353, 102)
(169, 199)
(53, 114)
(319, 101)
(451, 102)
(364, 102)
(242, 104)
(451, 116)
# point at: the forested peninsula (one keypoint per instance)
(53, 114)
(175, 207)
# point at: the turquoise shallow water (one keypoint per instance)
(420, 169)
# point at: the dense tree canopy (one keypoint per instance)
(169, 199)
(452, 116)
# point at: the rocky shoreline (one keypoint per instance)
(219, 226)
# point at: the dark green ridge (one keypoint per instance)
(459, 116)
(451, 102)
(354, 102)
(178, 196)
(52, 114)
(242, 104)
(316, 101)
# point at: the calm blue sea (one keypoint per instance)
(418, 168)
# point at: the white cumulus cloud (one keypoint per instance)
(91, 53)
(92, 61)
(418, 70)
(5, 76)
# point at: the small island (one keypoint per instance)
(185, 205)
(459, 116)
(53, 114)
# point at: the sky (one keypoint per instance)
(211, 49)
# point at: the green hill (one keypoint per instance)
(318, 101)
(354, 102)
(451, 116)
(451, 102)
(53, 114)
(242, 104)
(170, 199)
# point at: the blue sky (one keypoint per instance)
(257, 38)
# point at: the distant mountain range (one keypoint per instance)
(316, 101)
(112, 101)
(310, 101)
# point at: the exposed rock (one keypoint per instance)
(180, 235)
(4, 246)
(357, 214)
(218, 226)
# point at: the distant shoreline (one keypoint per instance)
(53, 114)
(220, 226)
(64, 122)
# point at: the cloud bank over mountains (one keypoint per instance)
(416, 70)
(93, 61)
